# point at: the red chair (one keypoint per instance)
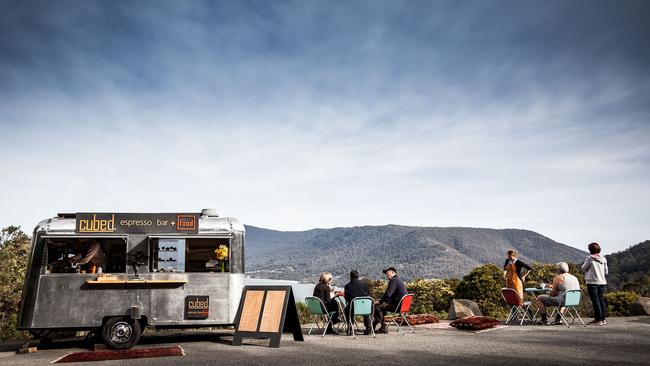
(403, 307)
(518, 309)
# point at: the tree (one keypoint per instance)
(14, 251)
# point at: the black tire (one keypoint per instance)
(121, 333)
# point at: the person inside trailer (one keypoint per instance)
(89, 254)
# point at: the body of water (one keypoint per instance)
(300, 290)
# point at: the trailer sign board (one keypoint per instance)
(197, 307)
(137, 223)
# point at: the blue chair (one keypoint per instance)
(571, 302)
(319, 311)
(361, 306)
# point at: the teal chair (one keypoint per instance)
(360, 306)
(571, 302)
(319, 312)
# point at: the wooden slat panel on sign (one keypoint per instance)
(273, 309)
(267, 312)
(251, 313)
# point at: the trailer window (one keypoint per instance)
(83, 255)
(190, 255)
(208, 255)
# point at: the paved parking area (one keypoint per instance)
(622, 341)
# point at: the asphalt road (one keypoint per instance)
(624, 341)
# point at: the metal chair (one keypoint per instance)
(518, 309)
(360, 306)
(403, 307)
(342, 304)
(318, 311)
(571, 302)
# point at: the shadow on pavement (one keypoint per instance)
(643, 320)
(215, 337)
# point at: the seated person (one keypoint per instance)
(89, 253)
(356, 288)
(394, 293)
(562, 283)
(324, 292)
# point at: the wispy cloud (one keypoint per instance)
(302, 114)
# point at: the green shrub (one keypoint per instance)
(14, 248)
(619, 303)
(8, 328)
(377, 287)
(483, 286)
(430, 295)
(303, 313)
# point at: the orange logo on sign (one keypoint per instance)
(186, 222)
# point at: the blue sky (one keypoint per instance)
(296, 115)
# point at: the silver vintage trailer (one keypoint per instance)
(174, 270)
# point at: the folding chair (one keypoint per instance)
(360, 306)
(518, 309)
(342, 304)
(403, 307)
(318, 311)
(571, 302)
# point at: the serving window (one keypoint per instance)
(190, 255)
(85, 255)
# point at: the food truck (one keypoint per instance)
(164, 270)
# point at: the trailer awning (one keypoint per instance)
(77, 236)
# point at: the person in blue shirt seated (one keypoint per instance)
(388, 303)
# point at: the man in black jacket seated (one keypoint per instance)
(356, 288)
(396, 289)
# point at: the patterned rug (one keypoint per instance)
(120, 354)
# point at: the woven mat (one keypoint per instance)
(120, 354)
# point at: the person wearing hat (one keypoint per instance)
(388, 303)
(356, 288)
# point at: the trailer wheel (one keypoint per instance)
(121, 333)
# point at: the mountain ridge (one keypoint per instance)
(416, 251)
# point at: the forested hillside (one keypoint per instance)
(424, 252)
(629, 270)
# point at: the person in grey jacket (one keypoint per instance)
(595, 269)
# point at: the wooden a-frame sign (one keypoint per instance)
(267, 312)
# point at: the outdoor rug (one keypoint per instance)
(120, 354)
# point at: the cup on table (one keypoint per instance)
(542, 285)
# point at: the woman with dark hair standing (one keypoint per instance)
(512, 272)
(595, 269)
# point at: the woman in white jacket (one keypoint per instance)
(595, 269)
